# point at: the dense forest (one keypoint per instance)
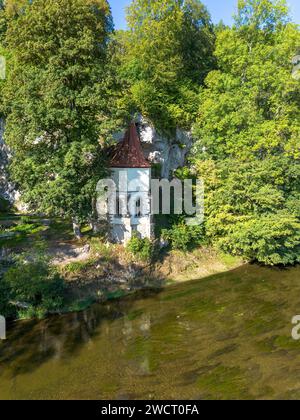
(72, 81)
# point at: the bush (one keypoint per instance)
(252, 208)
(272, 240)
(183, 237)
(141, 248)
(35, 286)
(99, 248)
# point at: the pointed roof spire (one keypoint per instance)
(128, 153)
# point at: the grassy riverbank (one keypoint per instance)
(110, 271)
(94, 270)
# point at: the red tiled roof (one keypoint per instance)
(128, 153)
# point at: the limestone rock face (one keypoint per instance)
(6, 188)
(170, 153)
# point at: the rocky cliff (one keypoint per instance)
(168, 153)
(6, 188)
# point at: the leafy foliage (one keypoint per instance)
(4, 205)
(33, 285)
(55, 99)
(72, 81)
(247, 132)
(165, 57)
(252, 104)
(183, 237)
(252, 208)
(141, 248)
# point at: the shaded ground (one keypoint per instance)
(23, 234)
(224, 337)
(94, 270)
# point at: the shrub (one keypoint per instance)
(141, 248)
(99, 248)
(252, 208)
(77, 267)
(271, 239)
(183, 237)
(34, 285)
(5, 308)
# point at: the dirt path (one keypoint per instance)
(63, 253)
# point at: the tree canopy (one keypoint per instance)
(72, 81)
(55, 97)
(165, 56)
(248, 136)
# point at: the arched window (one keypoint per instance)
(138, 210)
(118, 207)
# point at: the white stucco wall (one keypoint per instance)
(138, 188)
(138, 179)
(122, 229)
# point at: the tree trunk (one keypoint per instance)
(94, 222)
(77, 229)
(95, 226)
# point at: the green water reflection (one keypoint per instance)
(225, 337)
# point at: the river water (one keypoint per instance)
(224, 337)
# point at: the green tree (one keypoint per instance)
(56, 101)
(252, 104)
(2, 20)
(165, 57)
(253, 207)
(10, 9)
(2, 35)
(255, 16)
(35, 285)
(248, 136)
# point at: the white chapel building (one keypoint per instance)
(131, 173)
